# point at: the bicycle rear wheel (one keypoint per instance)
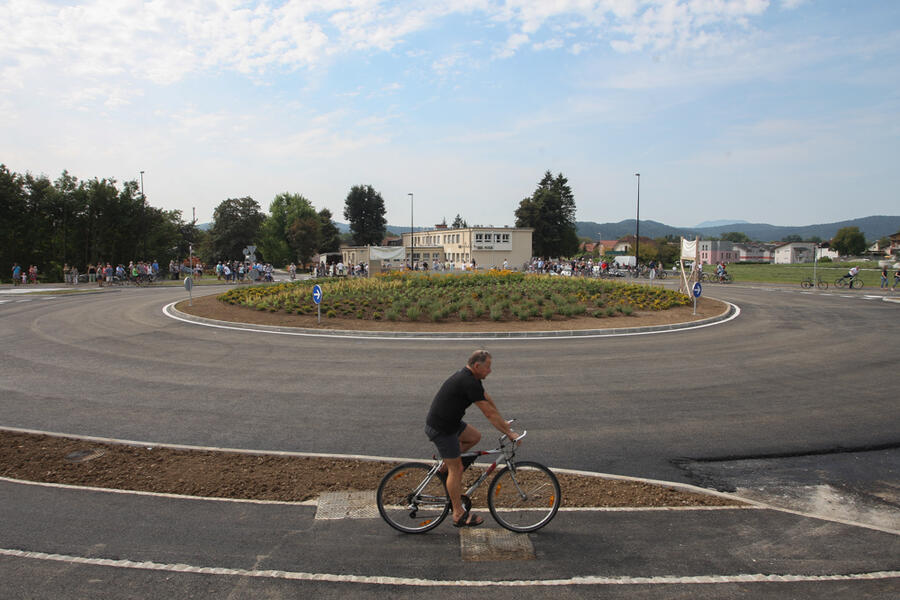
(822, 285)
(806, 283)
(524, 499)
(403, 508)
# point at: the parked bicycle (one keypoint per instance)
(855, 283)
(807, 283)
(523, 497)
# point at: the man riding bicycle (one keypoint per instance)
(452, 436)
(850, 274)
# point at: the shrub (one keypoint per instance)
(391, 314)
(413, 313)
(548, 313)
(496, 312)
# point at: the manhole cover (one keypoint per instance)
(80, 456)
(347, 505)
(481, 544)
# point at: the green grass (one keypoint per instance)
(793, 274)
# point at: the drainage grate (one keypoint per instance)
(494, 544)
(80, 456)
(347, 505)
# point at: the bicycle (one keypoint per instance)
(854, 282)
(807, 283)
(523, 497)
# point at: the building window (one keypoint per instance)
(505, 237)
(478, 238)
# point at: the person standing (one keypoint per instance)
(884, 277)
(16, 274)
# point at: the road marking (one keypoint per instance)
(24, 300)
(170, 311)
(410, 581)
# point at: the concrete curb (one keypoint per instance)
(732, 312)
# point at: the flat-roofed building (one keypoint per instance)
(488, 246)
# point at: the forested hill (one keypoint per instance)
(874, 228)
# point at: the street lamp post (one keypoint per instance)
(412, 239)
(143, 214)
(637, 235)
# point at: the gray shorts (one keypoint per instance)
(446, 443)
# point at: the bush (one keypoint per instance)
(413, 313)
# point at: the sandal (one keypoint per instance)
(468, 520)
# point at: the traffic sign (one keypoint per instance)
(698, 289)
(317, 293)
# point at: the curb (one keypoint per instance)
(732, 312)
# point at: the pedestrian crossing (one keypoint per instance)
(850, 295)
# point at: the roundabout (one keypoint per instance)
(113, 365)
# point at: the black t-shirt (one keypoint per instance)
(451, 401)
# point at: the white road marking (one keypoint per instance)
(411, 581)
(170, 312)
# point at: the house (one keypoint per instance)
(755, 252)
(895, 245)
(795, 252)
(712, 252)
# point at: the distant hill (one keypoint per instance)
(874, 228)
(716, 223)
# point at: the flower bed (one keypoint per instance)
(494, 296)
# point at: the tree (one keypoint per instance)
(738, 237)
(236, 223)
(792, 238)
(849, 241)
(459, 222)
(550, 211)
(364, 209)
(329, 236)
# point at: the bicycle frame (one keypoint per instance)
(507, 454)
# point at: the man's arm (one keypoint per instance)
(491, 413)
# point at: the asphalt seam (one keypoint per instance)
(418, 582)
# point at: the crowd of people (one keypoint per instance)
(239, 272)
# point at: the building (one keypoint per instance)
(489, 247)
(755, 252)
(795, 252)
(379, 258)
(713, 252)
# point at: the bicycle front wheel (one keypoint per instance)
(822, 285)
(524, 499)
(856, 283)
(403, 507)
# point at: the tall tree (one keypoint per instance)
(849, 241)
(364, 209)
(236, 223)
(329, 236)
(550, 211)
(459, 222)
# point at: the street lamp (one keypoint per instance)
(412, 239)
(143, 214)
(637, 235)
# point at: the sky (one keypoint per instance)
(773, 111)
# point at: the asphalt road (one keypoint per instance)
(795, 375)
